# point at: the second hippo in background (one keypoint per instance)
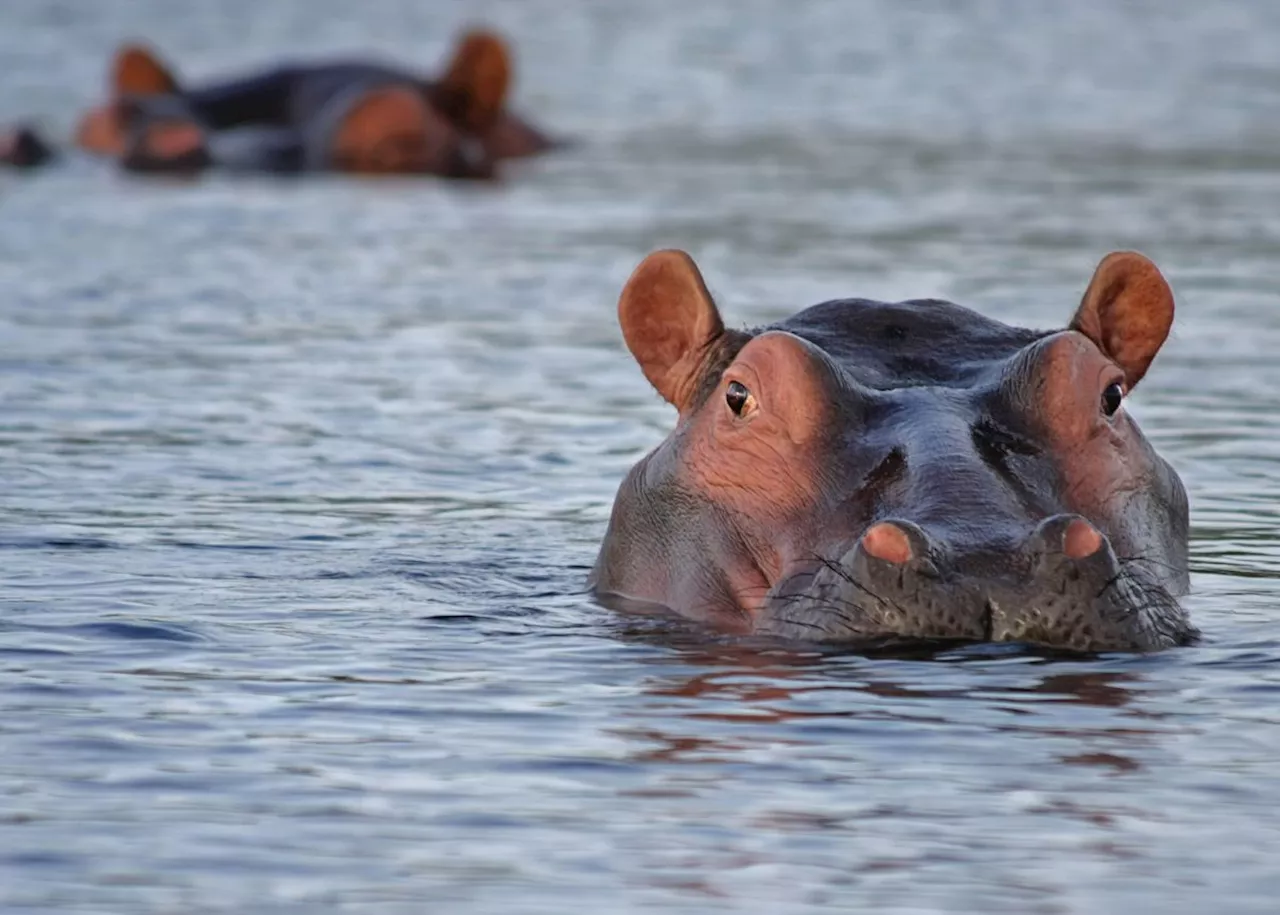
(867, 470)
(370, 129)
(342, 115)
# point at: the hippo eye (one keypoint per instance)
(1112, 397)
(737, 397)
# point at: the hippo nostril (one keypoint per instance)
(1067, 535)
(887, 541)
(1081, 539)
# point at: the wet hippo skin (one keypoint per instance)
(365, 128)
(867, 470)
(289, 118)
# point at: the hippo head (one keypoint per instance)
(390, 129)
(868, 471)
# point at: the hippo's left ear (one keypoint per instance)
(670, 323)
(1127, 311)
(137, 70)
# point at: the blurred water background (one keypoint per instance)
(300, 481)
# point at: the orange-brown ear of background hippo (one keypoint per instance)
(137, 70)
(479, 75)
(1127, 311)
(670, 323)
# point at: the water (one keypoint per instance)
(300, 482)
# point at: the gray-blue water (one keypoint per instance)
(299, 482)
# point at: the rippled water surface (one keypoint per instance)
(300, 482)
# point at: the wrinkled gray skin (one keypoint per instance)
(934, 418)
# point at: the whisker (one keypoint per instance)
(1147, 560)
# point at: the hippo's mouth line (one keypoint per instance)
(832, 599)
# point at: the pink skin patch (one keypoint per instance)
(887, 541)
(99, 132)
(1081, 539)
(173, 139)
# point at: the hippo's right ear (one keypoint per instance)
(477, 80)
(1127, 312)
(670, 323)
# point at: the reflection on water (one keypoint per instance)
(733, 683)
(300, 483)
(884, 739)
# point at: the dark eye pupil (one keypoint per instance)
(736, 397)
(1112, 398)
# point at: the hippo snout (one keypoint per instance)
(1066, 600)
(1062, 585)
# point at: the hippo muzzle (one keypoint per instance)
(1064, 587)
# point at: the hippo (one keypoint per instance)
(22, 146)
(288, 118)
(364, 128)
(886, 472)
